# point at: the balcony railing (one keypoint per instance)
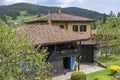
(64, 53)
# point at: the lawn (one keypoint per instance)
(103, 73)
(113, 59)
(23, 17)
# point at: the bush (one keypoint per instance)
(103, 78)
(113, 69)
(78, 76)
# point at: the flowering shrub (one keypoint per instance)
(113, 69)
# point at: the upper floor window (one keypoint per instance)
(75, 28)
(82, 28)
(62, 26)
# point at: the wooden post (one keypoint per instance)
(78, 62)
(79, 57)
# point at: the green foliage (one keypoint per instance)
(112, 14)
(16, 50)
(108, 33)
(118, 15)
(2, 23)
(78, 76)
(103, 78)
(109, 30)
(114, 69)
(24, 16)
(76, 45)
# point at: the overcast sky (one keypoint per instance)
(96, 5)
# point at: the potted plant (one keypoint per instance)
(62, 52)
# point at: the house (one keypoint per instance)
(60, 43)
(80, 25)
(65, 21)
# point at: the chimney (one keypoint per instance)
(49, 21)
(48, 12)
(59, 10)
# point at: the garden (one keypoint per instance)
(113, 65)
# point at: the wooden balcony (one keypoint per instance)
(64, 53)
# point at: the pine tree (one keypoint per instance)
(112, 14)
(104, 18)
(118, 15)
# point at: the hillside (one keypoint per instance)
(13, 11)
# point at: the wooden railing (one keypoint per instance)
(64, 53)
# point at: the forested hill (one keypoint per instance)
(31, 9)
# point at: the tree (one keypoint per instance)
(2, 23)
(108, 33)
(20, 60)
(112, 14)
(104, 18)
(118, 15)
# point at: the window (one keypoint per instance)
(62, 26)
(82, 28)
(75, 28)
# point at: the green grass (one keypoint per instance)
(102, 73)
(22, 18)
(113, 59)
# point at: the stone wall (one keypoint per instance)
(57, 67)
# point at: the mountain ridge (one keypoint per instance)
(32, 9)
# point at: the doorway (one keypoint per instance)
(66, 62)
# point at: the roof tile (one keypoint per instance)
(50, 35)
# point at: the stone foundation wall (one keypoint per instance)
(57, 67)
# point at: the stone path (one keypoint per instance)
(86, 68)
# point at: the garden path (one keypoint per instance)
(86, 68)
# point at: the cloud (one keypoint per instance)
(8, 2)
(102, 5)
(68, 3)
(96, 5)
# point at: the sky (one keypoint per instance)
(102, 6)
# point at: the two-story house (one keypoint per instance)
(74, 29)
(60, 44)
(68, 22)
(65, 21)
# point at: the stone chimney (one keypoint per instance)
(59, 10)
(49, 20)
(48, 12)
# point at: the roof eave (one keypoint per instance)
(36, 21)
(53, 43)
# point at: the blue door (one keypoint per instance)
(73, 59)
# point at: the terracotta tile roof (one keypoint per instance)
(61, 17)
(50, 35)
